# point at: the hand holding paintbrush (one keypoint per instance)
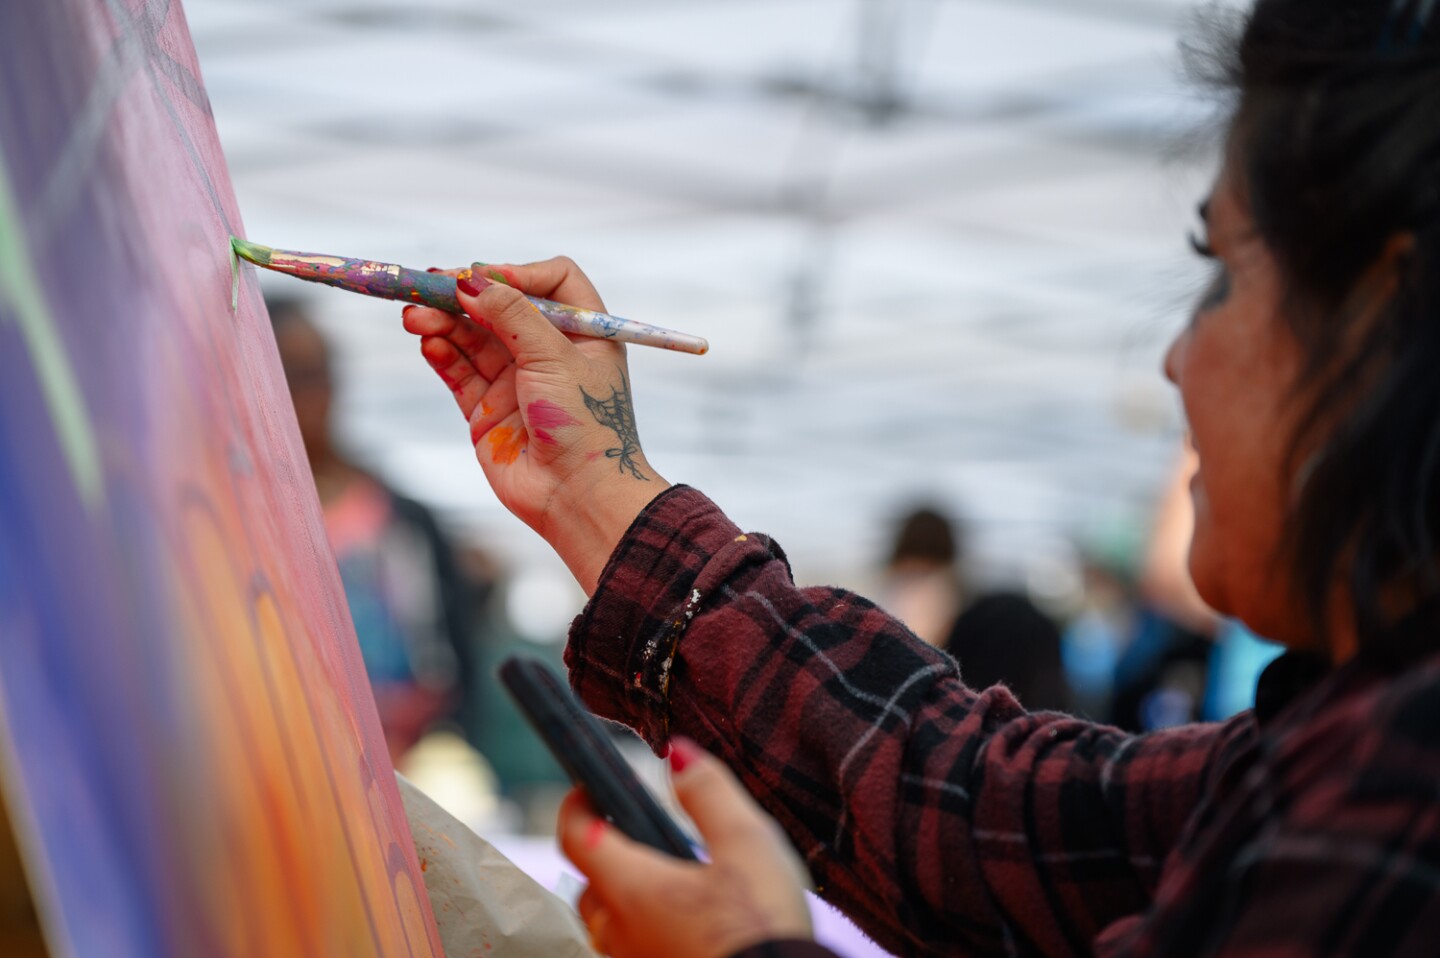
(550, 417)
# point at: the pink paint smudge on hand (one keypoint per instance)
(544, 415)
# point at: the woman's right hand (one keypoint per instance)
(550, 416)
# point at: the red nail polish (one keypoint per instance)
(433, 269)
(682, 753)
(467, 287)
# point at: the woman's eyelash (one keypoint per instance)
(1202, 247)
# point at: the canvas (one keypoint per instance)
(190, 751)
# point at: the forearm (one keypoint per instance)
(584, 527)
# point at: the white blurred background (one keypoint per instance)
(937, 245)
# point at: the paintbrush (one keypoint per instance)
(388, 281)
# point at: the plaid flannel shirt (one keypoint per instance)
(946, 820)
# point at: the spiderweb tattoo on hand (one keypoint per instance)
(616, 413)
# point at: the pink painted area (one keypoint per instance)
(211, 778)
(543, 416)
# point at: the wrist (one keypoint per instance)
(584, 522)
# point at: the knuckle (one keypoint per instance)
(502, 302)
(519, 311)
(498, 294)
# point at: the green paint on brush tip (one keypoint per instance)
(253, 252)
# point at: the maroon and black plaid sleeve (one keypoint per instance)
(942, 819)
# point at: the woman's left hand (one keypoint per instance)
(642, 903)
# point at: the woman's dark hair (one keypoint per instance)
(1336, 137)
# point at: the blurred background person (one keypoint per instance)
(920, 585)
(413, 611)
(1002, 638)
(1101, 617)
(997, 637)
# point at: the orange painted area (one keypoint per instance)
(506, 444)
(290, 804)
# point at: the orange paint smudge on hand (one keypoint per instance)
(506, 444)
(479, 426)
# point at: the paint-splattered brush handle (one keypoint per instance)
(389, 281)
(588, 322)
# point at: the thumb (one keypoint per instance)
(529, 336)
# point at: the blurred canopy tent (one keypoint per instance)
(934, 244)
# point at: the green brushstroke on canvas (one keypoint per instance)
(61, 388)
(234, 278)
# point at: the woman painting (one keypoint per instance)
(946, 819)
